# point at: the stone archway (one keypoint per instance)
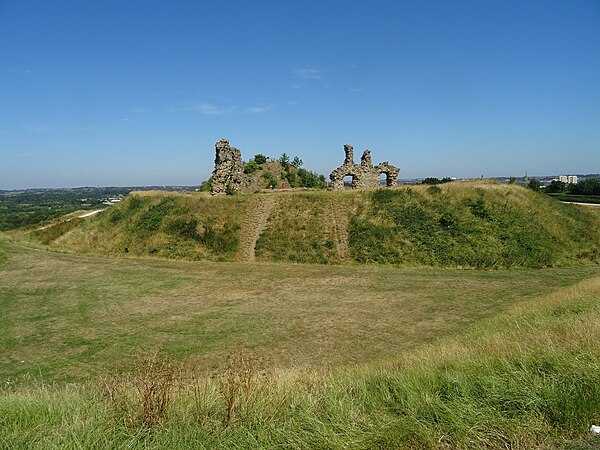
(388, 178)
(390, 172)
(353, 180)
(338, 180)
(364, 175)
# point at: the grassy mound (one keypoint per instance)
(527, 379)
(481, 226)
(472, 225)
(167, 225)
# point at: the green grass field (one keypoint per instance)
(69, 317)
(343, 357)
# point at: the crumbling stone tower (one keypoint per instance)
(229, 170)
(364, 175)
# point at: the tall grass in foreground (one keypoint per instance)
(529, 379)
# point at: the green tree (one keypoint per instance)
(284, 160)
(556, 187)
(311, 179)
(297, 162)
(251, 167)
(260, 159)
(206, 185)
(589, 186)
(534, 185)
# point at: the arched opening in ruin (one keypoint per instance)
(383, 179)
(387, 178)
(349, 181)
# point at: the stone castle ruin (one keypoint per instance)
(229, 171)
(364, 175)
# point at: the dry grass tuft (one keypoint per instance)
(143, 398)
(238, 381)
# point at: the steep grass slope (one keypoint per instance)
(168, 225)
(474, 225)
(478, 225)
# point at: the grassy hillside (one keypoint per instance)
(471, 225)
(526, 378)
(169, 225)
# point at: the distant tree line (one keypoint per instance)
(32, 206)
(433, 180)
(589, 186)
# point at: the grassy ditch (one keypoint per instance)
(526, 379)
(70, 317)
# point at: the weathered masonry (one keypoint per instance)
(364, 175)
(229, 170)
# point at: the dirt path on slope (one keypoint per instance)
(253, 224)
(339, 217)
(67, 219)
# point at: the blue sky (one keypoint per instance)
(138, 92)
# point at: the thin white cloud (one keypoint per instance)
(206, 108)
(139, 110)
(307, 73)
(258, 109)
(362, 89)
(124, 119)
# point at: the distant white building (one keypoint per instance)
(570, 179)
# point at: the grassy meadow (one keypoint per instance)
(68, 317)
(332, 357)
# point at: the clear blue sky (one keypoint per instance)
(138, 92)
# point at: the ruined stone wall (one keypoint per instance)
(364, 175)
(229, 170)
